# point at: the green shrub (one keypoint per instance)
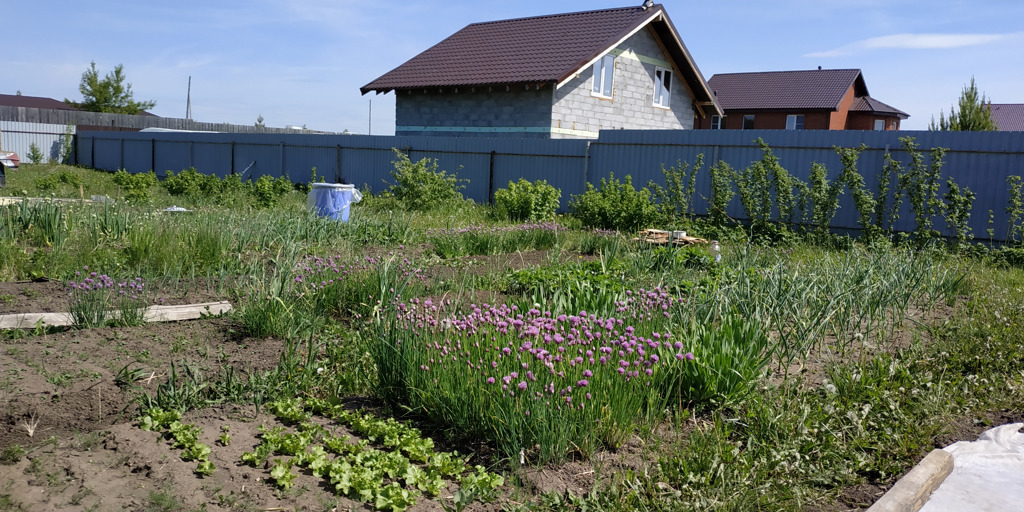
(268, 191)
(51, 181)
(420, 186)
(526, 201)
(675, 199)
(34, 154)
(135, 187)
(191, 182)
(615, 205)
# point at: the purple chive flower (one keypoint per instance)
(522, 385)
(588, 373)
(490, 380)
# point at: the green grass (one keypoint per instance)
(746, 427)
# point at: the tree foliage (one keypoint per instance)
(110, 94)
(973, 113)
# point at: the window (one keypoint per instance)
(717, 122)
(880, 124)
(748, 122)
(662, 87)
(794, 122)
(604, 71)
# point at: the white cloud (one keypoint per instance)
(914, 42)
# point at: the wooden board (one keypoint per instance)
(659, 237)
(153, 314)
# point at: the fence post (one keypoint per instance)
(337, 165)
(586, 167)
(490, 180)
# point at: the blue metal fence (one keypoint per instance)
(979, 161)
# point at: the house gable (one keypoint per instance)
(579, 113)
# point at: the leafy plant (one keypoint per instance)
(675, 199)
(824, 197)
(614, 205)
(1014, 208)
(420, 186)
(34, 154)
(721, 192)
(526, 201)
(53, 180)
(67, 144)
(862, 197)
(958, 212)
(135, 186)
(921, 184)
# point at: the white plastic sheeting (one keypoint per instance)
(988, 474)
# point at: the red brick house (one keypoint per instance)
(821, 99)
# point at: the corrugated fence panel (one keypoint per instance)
(138, 155)
(106, 153)
(561, 162)
(19, 137)
(172, 156)
(980, 161)
(212, 158)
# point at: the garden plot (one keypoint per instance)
(580, 370)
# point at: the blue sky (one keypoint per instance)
(302, 62)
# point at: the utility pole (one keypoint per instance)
(188, 101)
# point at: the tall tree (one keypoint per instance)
(973, 113)
(108, 94)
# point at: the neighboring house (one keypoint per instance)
(559, 76)
(1008, 116)
(821, 99)
(17, 100)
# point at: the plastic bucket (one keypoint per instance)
(332, 200)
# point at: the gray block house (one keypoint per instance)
(559, 76)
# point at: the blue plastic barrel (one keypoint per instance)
(332, 200)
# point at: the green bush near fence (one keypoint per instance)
(615, 205)
(525, 201)
(420, 186)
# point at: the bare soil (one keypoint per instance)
(69, 440)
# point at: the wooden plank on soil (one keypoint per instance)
(153, 314)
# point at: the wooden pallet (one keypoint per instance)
(659, 237)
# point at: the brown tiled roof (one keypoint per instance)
(12, 100)
(541, 49)
(789, 90)
(869, 104)
(1009, 116)
(525, 50)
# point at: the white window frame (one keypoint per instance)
(717, 122)
(604, 77)
(880, 128)
(795, 122)
(662, 92)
